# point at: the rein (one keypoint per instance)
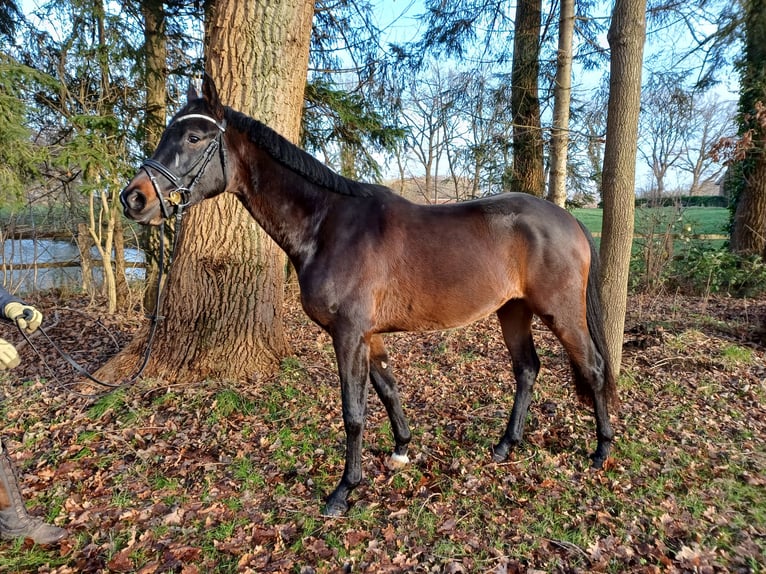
(178, 198)
(155, 320)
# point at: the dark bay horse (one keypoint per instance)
(370, 262)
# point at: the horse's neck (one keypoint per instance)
(288, 208)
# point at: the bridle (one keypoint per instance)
(179, 197)
(174, 204)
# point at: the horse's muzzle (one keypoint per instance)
(139, 205)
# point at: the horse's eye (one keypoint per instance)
(191, 138)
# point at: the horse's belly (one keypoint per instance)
(452, 306)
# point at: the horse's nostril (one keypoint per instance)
(133, 199)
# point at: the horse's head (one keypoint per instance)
(188, 165)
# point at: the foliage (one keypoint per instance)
(20, 160)
(334, 117)
(477, 31)
(684, 201)
(668, 254)
(704, 270)
(351, 112)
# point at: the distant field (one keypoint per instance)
(698, 220)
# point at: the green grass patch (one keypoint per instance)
(735, 355)
(228, 403)
(111, 402)
(690, 220)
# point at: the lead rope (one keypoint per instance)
(155, 320)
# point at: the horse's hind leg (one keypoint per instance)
(384, 383)
(516, 321)
(589, 370)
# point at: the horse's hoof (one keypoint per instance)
(335, 508)
(599, 457)
(597, 462)
(499, 453)
(398, 461)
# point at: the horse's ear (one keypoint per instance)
(210, 94)
(191, 92)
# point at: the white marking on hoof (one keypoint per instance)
(399, 460)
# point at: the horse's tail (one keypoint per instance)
(595, 317)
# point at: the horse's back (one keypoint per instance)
(451, 264)
(528, 229)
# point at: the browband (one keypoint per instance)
(220, 125)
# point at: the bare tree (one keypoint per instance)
(712, 120)
(426, 114)
(482, 104)
(666, 116)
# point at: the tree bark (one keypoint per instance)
(84, 243)
(224, 303)
(527, 175)
(626, 36)
(562, 96)
(155, 77)
(748, 235)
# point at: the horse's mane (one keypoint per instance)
(296, 159)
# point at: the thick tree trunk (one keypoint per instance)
(562, 96)
(527, 175)
(224, 307)
(749, 230)
(626, 36)
(155, 70)
(748, 236)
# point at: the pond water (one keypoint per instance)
(28, 251)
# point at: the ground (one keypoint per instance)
(221, 476)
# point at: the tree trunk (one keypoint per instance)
(748, 235)
(109, 213)
(120, 277)
(528, 175)
(84, 243)
(155, 70)
(626, 36)
(562, 95)
(224, 307)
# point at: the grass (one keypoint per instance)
(735, 355)
(113, 401)
(694, 220)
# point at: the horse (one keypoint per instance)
(370, 262)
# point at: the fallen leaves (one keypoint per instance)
(160, 481)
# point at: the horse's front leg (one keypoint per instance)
(516, 321)
(384, 383)
(353, 355)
